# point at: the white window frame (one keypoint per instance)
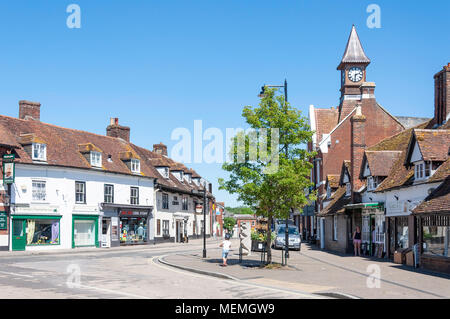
(96, 159)
(165, 201)
(166, 172)
(39, 190)
(40, 150)
(83, 192)
(107, 196)
(372, 183)
(421, 169)
(135, 165)
(328, 191)
(134, 195)
(184, 203)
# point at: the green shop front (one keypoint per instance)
(85, 231)
(34, 231)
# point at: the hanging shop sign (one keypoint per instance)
(3, 221)
(9, 169)
(198, 208)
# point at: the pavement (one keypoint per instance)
(319, 272)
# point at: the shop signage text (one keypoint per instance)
(132, 213)
(3, 221)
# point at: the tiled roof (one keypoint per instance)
(401, 175)
(380, 162)
(333, 181)
(354, 52)
(437, 202)
(326, 120)
(7, 139)
(66, 147)
(337, 203)
(433, 144)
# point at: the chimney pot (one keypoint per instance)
(118, 131)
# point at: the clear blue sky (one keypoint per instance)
(159, 65)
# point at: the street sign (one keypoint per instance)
(9, 170)
(3, 221)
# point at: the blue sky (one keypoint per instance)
(159, 65)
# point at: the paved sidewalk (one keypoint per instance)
(316, 271)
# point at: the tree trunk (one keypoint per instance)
(269, 240)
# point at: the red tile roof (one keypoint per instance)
(437, 202)
(380, 162)
(326, 120)
(433, 144)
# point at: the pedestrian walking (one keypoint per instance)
(357, 241)
(226, 245)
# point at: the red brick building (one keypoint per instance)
(343, 133)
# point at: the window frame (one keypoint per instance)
(97, 163)
(134, 200)
(135, 165)
(83, 193)
(42, 151)
(105, 194)
(348, 189)
(335, 228)
(184, 203)
(33, 198)
(165, 200)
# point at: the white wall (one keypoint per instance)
(60, 194)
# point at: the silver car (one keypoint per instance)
(294, 237)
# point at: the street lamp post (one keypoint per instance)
(286, 238)
(204, 216)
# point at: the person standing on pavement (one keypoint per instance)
(226, 245)
(357, 241)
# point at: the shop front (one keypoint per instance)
(373, 230)
(134, 227)
(30, 231)
(85, 231)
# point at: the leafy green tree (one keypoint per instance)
(241, 210)
(228, 223)
(271, 186)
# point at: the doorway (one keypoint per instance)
(19, 238)
(106, 233)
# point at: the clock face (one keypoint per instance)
(355, 74)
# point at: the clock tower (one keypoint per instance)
(353, 74)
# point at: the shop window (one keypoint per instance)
(84, 232)
(39, 191)
(166, 229)
(134, 195)
(402, 232)
(80, 192)
(42, 232)
(133, 230)
(165, 201)
(39, 152)
(109, 193)
(436, 240)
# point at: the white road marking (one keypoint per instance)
(14, 274)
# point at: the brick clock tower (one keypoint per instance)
(353, 74)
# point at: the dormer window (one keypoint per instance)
(39, 152)
(166, 172)
(328, 191)
(96, 159)
(348, 189)
(372, 183)
(422, 170)
(135, 165)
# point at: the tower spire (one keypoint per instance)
(354, 52)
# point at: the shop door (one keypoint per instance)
(19, 238)
(106, 233)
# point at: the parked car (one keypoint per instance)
(294, 237)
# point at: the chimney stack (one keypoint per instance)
(29, 110)
(358, 145)
(118, 131)
(160, 149)
(442, 95)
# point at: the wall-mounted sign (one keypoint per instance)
(198, 208)
(9, 170)
(3, 221)
(132, 213)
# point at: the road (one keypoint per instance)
(130, 272)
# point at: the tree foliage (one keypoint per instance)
(275, 192)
